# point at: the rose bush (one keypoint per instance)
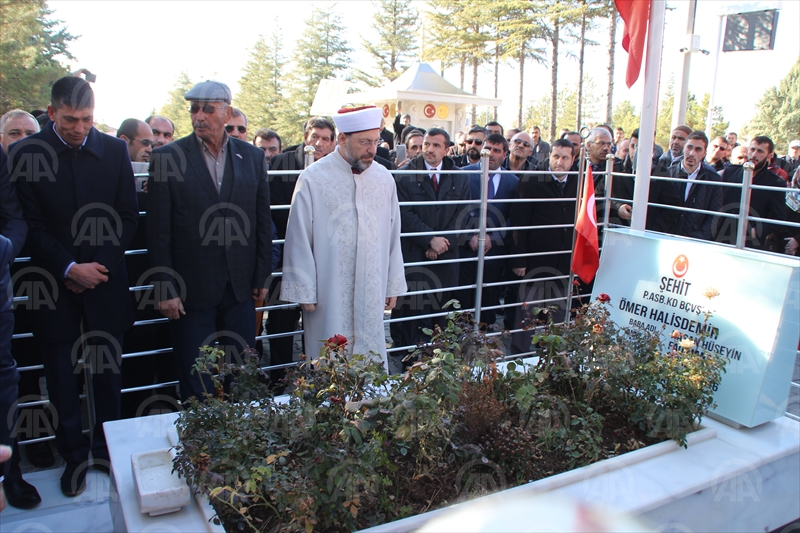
(355, 447)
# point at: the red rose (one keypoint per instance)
(337, 341)
(604, 298)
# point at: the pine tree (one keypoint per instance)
(778, 115)
(32, 47)
(176, 107)
(321, 53)
(260, 94)
(625, 117)
(396, 24)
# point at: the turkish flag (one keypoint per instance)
(635, 14)
(586, 254)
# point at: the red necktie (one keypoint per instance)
(435, 180)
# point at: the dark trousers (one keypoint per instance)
(230, 323)
(434, 276)
(64, 378)
(9, 377)
(492, 273)
(281, 349)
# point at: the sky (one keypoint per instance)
(137, 58)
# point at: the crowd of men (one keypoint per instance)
(344, 260)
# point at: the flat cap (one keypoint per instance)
(794, 144)
(209, 91)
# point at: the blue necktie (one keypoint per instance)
(491, 188)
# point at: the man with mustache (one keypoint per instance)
(474, 145)
(342, 261)
(763, 204)
(209, 235)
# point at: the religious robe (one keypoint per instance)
(343, 254)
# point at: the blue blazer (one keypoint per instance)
(499, 214)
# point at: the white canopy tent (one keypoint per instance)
(421, 92)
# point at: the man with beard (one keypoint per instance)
(763, 204)
(474, 145)
(342, 261)
(435, 185)
(561, 189)
(677, 140)
(699, 191)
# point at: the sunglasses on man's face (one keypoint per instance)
(208, 109)
(473, 141)
(229, 128)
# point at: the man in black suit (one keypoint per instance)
(500, 187)
(437, 185)
(209, 235)
(763, 204)
(698, 192)
(77, 192)
(561, 189)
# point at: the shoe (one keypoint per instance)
(73, 480)
(40, 454)
(21, 494)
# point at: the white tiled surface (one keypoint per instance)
(88, 512)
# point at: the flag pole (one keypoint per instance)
(579, 196)
(647, 128)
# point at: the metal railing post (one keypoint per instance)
(309, 151)
(608, 182)
(482, 235)
(744, 206)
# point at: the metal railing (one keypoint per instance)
(744, 218)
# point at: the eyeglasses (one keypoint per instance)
(208, 109)
(526, 144)
(366, 143)
(229, 128)
(146, 142)
(473, 141)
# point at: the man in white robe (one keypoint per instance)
(342, 257)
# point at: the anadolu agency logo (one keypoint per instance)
(680, 266)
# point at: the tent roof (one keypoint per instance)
(421, 82)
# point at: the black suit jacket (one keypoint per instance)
(763, 204)
(544, 214)
(13, 231)
(431, 217)
(702, 195)
(199, 238)
(81, 209)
